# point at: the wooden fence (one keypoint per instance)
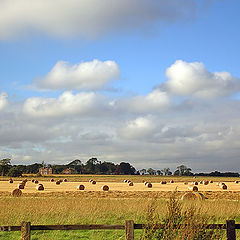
(129, 227)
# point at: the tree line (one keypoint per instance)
(95, 166)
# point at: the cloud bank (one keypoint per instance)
(88, 18)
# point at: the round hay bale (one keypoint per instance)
(40, 184)
(36, 181)
(163, 182)
(149, 185)
(129, 181)
(58, 182)
(193, 196)
(237, 182)
(130, 184)
(195, 183)
(105, 187)
(80, 187)
(125, 181)
(193, 188)
(211, 181)
(40, 187)
(93, 182)
(16, 192)
(21, 186)
(221, 184)
(145, 183)
(185, 183)
(10, 181)
(52, 180)
(201, 182)
(65, 180)
(205, 182)
(90, 180)
(25, 180)
(224, 187)
(171, 181)
(33, 180)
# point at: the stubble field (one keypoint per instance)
(64, 204)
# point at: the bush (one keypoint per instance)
(178, 224)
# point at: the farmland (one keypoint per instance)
(64, 204)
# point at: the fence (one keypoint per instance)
(129, 227)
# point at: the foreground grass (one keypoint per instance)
(79, 210)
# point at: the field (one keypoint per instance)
(64, 204)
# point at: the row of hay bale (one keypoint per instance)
(129, 182)
(82, 187)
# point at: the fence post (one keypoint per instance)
(231, 231)
(25, 231)
(129, 227)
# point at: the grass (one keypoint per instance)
(104, 208)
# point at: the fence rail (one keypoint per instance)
(129, 227)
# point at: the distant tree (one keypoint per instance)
(5, 165)
(143, 171)
(159, 172)
(167, 171)
(151, 171)
(125, 169)
(182, 170)
(14, 172)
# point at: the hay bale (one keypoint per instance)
(129, 181)
(195, 183)
(201, 182)
(224, 187)
(90, 180)
(171, 181)
(163, 182)
(193, 196)
(93, 182)
(205, 182)
(130, 184)
(149, 185)
(105, 187)
(40, 187)
(145, 183)
(10, 181)
(33, 180)
(237, 182)
(211, 181)
(16, 192)
(21, 186)
(125, 181)
(65, 180)
(80, 187)
(185, 183)
(52, 180)
(36, 181)
(58, 182)
(193, 188)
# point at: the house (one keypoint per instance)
(45, 171)
(67, 171)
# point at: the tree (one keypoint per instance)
(143, 171)
(125, 169)
(167, 171)
(159, 172)
(151, 171)
(183, 170)
(14, 172)
(5, 165)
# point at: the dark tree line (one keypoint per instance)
(94, 166)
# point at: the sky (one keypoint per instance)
(154, 83)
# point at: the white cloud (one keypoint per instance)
(193, 79)
(87, 18)
(138, 128)
(3, 100)
(65, 104)
(156, 101)
(85, 75)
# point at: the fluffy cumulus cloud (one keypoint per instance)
(3, 100)
(88, 18)
(193, 79)
(85, 75)
(66, 104)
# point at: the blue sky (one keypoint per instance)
(142, 43)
